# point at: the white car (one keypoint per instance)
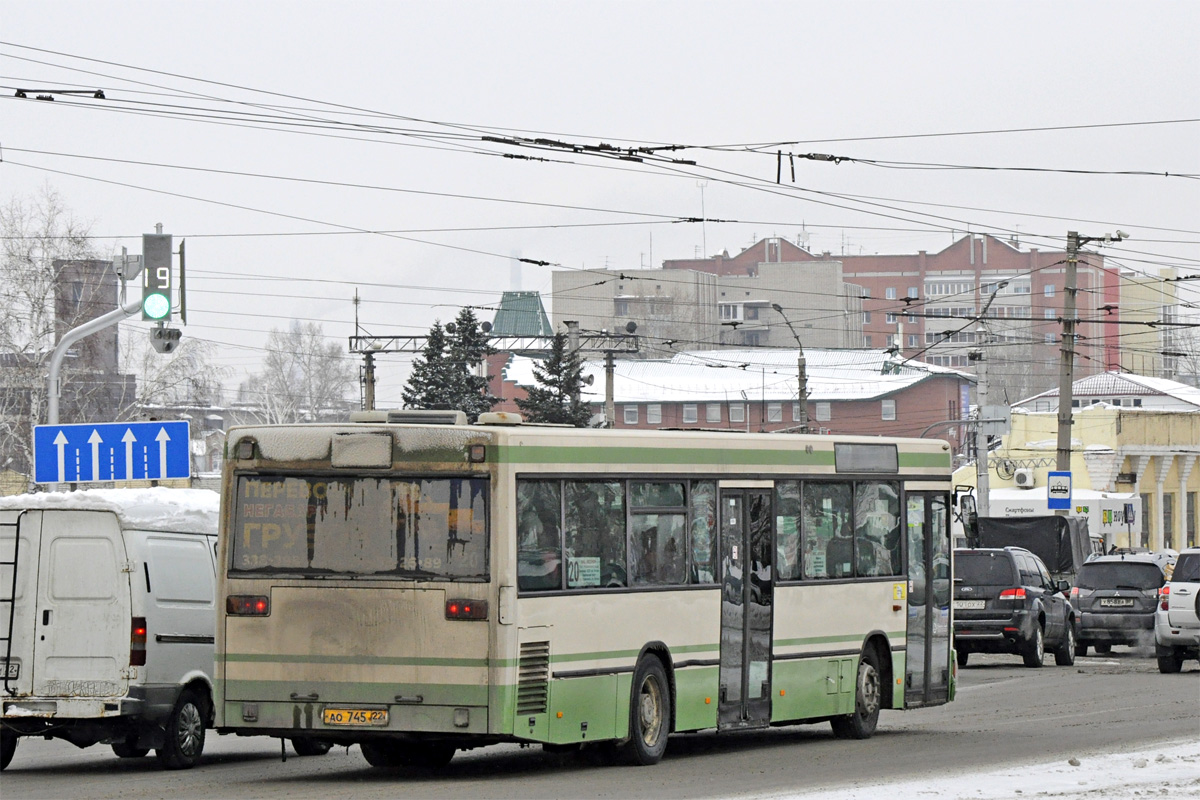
(1177, 618)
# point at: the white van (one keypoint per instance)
(107, 606)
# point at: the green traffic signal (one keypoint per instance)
(155, 306)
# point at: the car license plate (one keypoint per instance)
(355, 716)
(1116, 601)
(12, 670)
(961, 605)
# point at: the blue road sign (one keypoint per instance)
(111, 451)
(1058, 491)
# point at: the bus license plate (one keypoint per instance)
(1116, 601)
(961, 605)
(355, 716)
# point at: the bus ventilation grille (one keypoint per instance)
(534, 679)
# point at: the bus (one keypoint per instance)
(418, 586)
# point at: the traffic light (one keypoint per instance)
(165, 340)
(156, 277)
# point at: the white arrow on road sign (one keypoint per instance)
(162, 440)
(128, 439)
(60, 442)
(94, 440)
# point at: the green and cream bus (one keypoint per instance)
(418, 585)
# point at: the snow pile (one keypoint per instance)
(1166, 770)
(155, 509)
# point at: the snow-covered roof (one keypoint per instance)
(1118, 384)
(752, 374)
(155, 509)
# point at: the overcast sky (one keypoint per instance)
(374, 112)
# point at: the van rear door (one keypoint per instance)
(17, 619)
(83, 614)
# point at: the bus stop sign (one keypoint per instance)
(1058, 491)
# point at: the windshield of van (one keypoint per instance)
(984, 569)
(1119, 575)
(426, 528)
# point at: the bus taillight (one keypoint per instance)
(466, 609)
(137, 643)
(247, 605)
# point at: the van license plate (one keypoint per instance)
(969, 604)
(12, 670)
(1116, 601)
(355, 716)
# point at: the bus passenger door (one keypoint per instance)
(747, 580)
(927, 661)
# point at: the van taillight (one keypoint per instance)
(248, 605)
(466, 609)
(1013, 594)
(1164, 595)
(137, 643)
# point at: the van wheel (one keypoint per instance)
(1035, 649)
(184, 733)
(868, 695)
(1080, 649)
(308, 746)
(649, 715)
(129, 748)
(1104, 649)
(8, 746)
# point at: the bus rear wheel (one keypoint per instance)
(649, 715)
(420, 755)
(868, 695)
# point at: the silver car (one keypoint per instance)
(1177, 618)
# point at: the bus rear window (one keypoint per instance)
(423, 528)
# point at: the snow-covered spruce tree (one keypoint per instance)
(468, 347)
(555, 398)
(431, 383)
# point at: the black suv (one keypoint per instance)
(1006, 602)
(1114, 600)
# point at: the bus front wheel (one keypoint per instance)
(868, 694)
(649, 715)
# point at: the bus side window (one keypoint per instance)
(595, 534)
(539, 549)
(877, 529)
(787, 530)
(825, 528)
(702, 545)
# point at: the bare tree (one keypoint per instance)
(42, 243)
(305, 377)
(188, 376)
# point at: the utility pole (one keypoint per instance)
(1066, 368)
(982, 488)
(369, 381)
(610, 410)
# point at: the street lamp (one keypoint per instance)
(801, 370)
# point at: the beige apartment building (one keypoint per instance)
(689, 309)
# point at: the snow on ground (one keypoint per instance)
(1165, 770)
